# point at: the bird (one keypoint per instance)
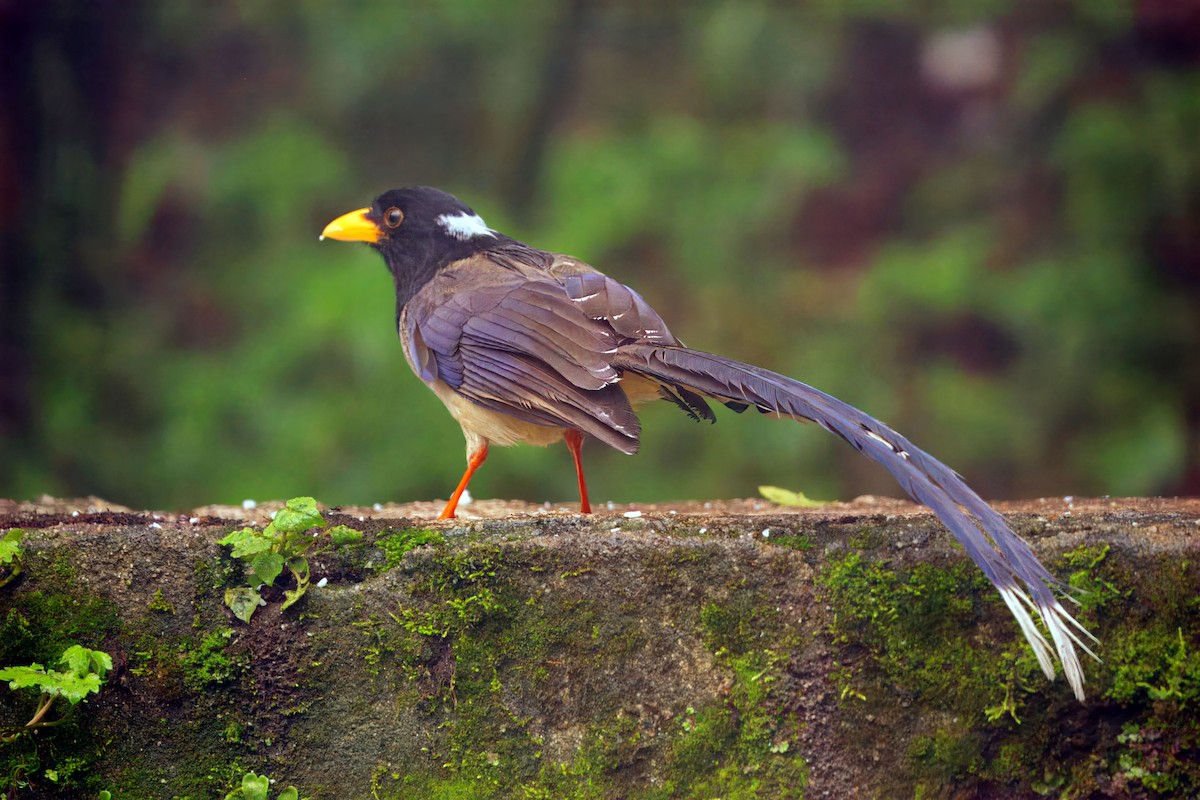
(524, 345)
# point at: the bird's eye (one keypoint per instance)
(393, 217)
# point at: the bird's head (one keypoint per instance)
(416, 229)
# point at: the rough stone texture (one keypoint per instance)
(699, 650)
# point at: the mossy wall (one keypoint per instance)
(807, 654)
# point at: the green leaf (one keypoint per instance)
(786, 497)
(10, 545)
(243, 602)
(267, 567)
(300, 515)
(248, 541)
(10, 551)
(289, 793)
(10, 673)
(83, 661)
(67, 685)
(254, 787)
(105, 794)
(343, 535)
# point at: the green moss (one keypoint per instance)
(912, 624)
(736, 624)
(60, 565)
(915, 626)
(1093, 588)
(214, 575)
(206, 663)
(1156, 666)
(701, 742)
(669, 566)
(59, 761)
(397, 544)
(870, 538)
(234, 732)
(160, 603)
(790, 541)
(460, 589)
(740, 748)
(200, 773)
(1159, 670)
(480, 643)
(945, 757)
(1162, 757)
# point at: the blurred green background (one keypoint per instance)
(979, 222)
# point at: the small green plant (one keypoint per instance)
(284, 544)
(255, 787)
(83, 676)
(10, 555)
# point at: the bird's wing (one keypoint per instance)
(601, 298)
(512, 340)
(631, 318)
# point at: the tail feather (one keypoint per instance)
(1005, 558)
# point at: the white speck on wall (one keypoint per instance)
(632, 514)
(249, 504)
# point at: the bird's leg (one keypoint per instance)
(574, 440)
(474, 461)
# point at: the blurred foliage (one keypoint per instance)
(976, 221)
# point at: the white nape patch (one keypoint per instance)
(465, 226)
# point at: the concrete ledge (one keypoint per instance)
(738, 650)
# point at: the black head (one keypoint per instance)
(417, 229)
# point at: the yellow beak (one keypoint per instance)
(353, 227)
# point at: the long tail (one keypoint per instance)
(1004, 557)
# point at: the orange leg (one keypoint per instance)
(574, 440)
(473, 463)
